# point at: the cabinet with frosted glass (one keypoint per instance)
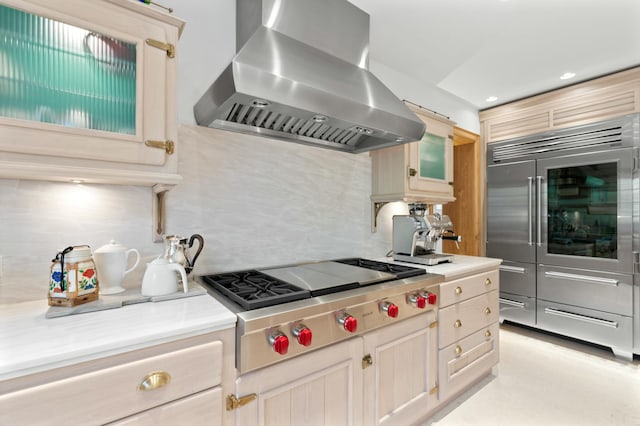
(417, 171)
(88, 91)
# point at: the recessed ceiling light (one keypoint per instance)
(567, 75)
(492, 99)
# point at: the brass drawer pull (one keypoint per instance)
(458, 290)
(457, 324)
(487, 281)
(154, 380)
(487, 311)
(458, 350)
(487, 333)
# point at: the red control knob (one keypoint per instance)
(280, 344)
(417, 300)
(432, 298)
(303, 335)
(348, 322)
(390, 309)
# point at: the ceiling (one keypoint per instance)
(509, 49)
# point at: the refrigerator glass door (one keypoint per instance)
(586, 211)
(510, 214)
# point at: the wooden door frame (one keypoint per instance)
(469, 193)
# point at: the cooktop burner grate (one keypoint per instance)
(252, 289)
(400, 271)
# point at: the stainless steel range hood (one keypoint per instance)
(301, 74)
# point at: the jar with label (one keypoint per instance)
(73, 279)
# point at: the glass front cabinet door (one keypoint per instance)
(417, 171)
(88, 91)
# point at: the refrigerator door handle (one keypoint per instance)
(539, 213)
(515, 269)
(530, 212)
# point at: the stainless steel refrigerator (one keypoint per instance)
(563, 213)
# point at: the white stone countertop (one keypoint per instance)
(460, 267)
(31, 343)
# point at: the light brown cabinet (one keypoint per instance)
(588, 102)
(468, 331)
(418, 171)
(182, 380)
(104, 108)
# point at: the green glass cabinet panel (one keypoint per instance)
(56, 73)
(433, 153)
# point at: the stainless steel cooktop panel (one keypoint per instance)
(325, 275)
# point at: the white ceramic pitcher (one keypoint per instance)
(111, 264)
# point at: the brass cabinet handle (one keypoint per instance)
(167, 47)
(487, 333)
(168, 146)
(234, 402)
(487, 281)
(458, 350)
(458, 290)
(154, 380)
(487, 311)
(457, 324)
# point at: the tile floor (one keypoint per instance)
(547, 380)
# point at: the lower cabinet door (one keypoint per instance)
(204, 408)
(400, 384)
(323, 387)
(467, 360)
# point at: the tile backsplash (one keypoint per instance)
(257, 202)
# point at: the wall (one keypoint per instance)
(256, 202)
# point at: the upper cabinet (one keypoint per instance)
(88, 91)
(588, 102)
(417, 171)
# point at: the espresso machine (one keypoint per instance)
(415, 236)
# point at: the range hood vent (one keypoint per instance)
(301, 75)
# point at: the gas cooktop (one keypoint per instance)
(253, 289)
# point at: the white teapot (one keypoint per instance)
(111, 264)
(160, 278)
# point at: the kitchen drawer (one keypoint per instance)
(518, 278)
(606, 329)
(602, 291)
(204, 408)
(112, 393)
(465, 288)
(518, 309)
(464, 362)
(462, 319)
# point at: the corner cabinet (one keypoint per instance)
(419, 171)
(89, 91)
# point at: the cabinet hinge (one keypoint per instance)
(367, 361)
(233, 402)
(412, 172)
(433, 324)
(167, 145)
(167, 47)
(433, 390)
